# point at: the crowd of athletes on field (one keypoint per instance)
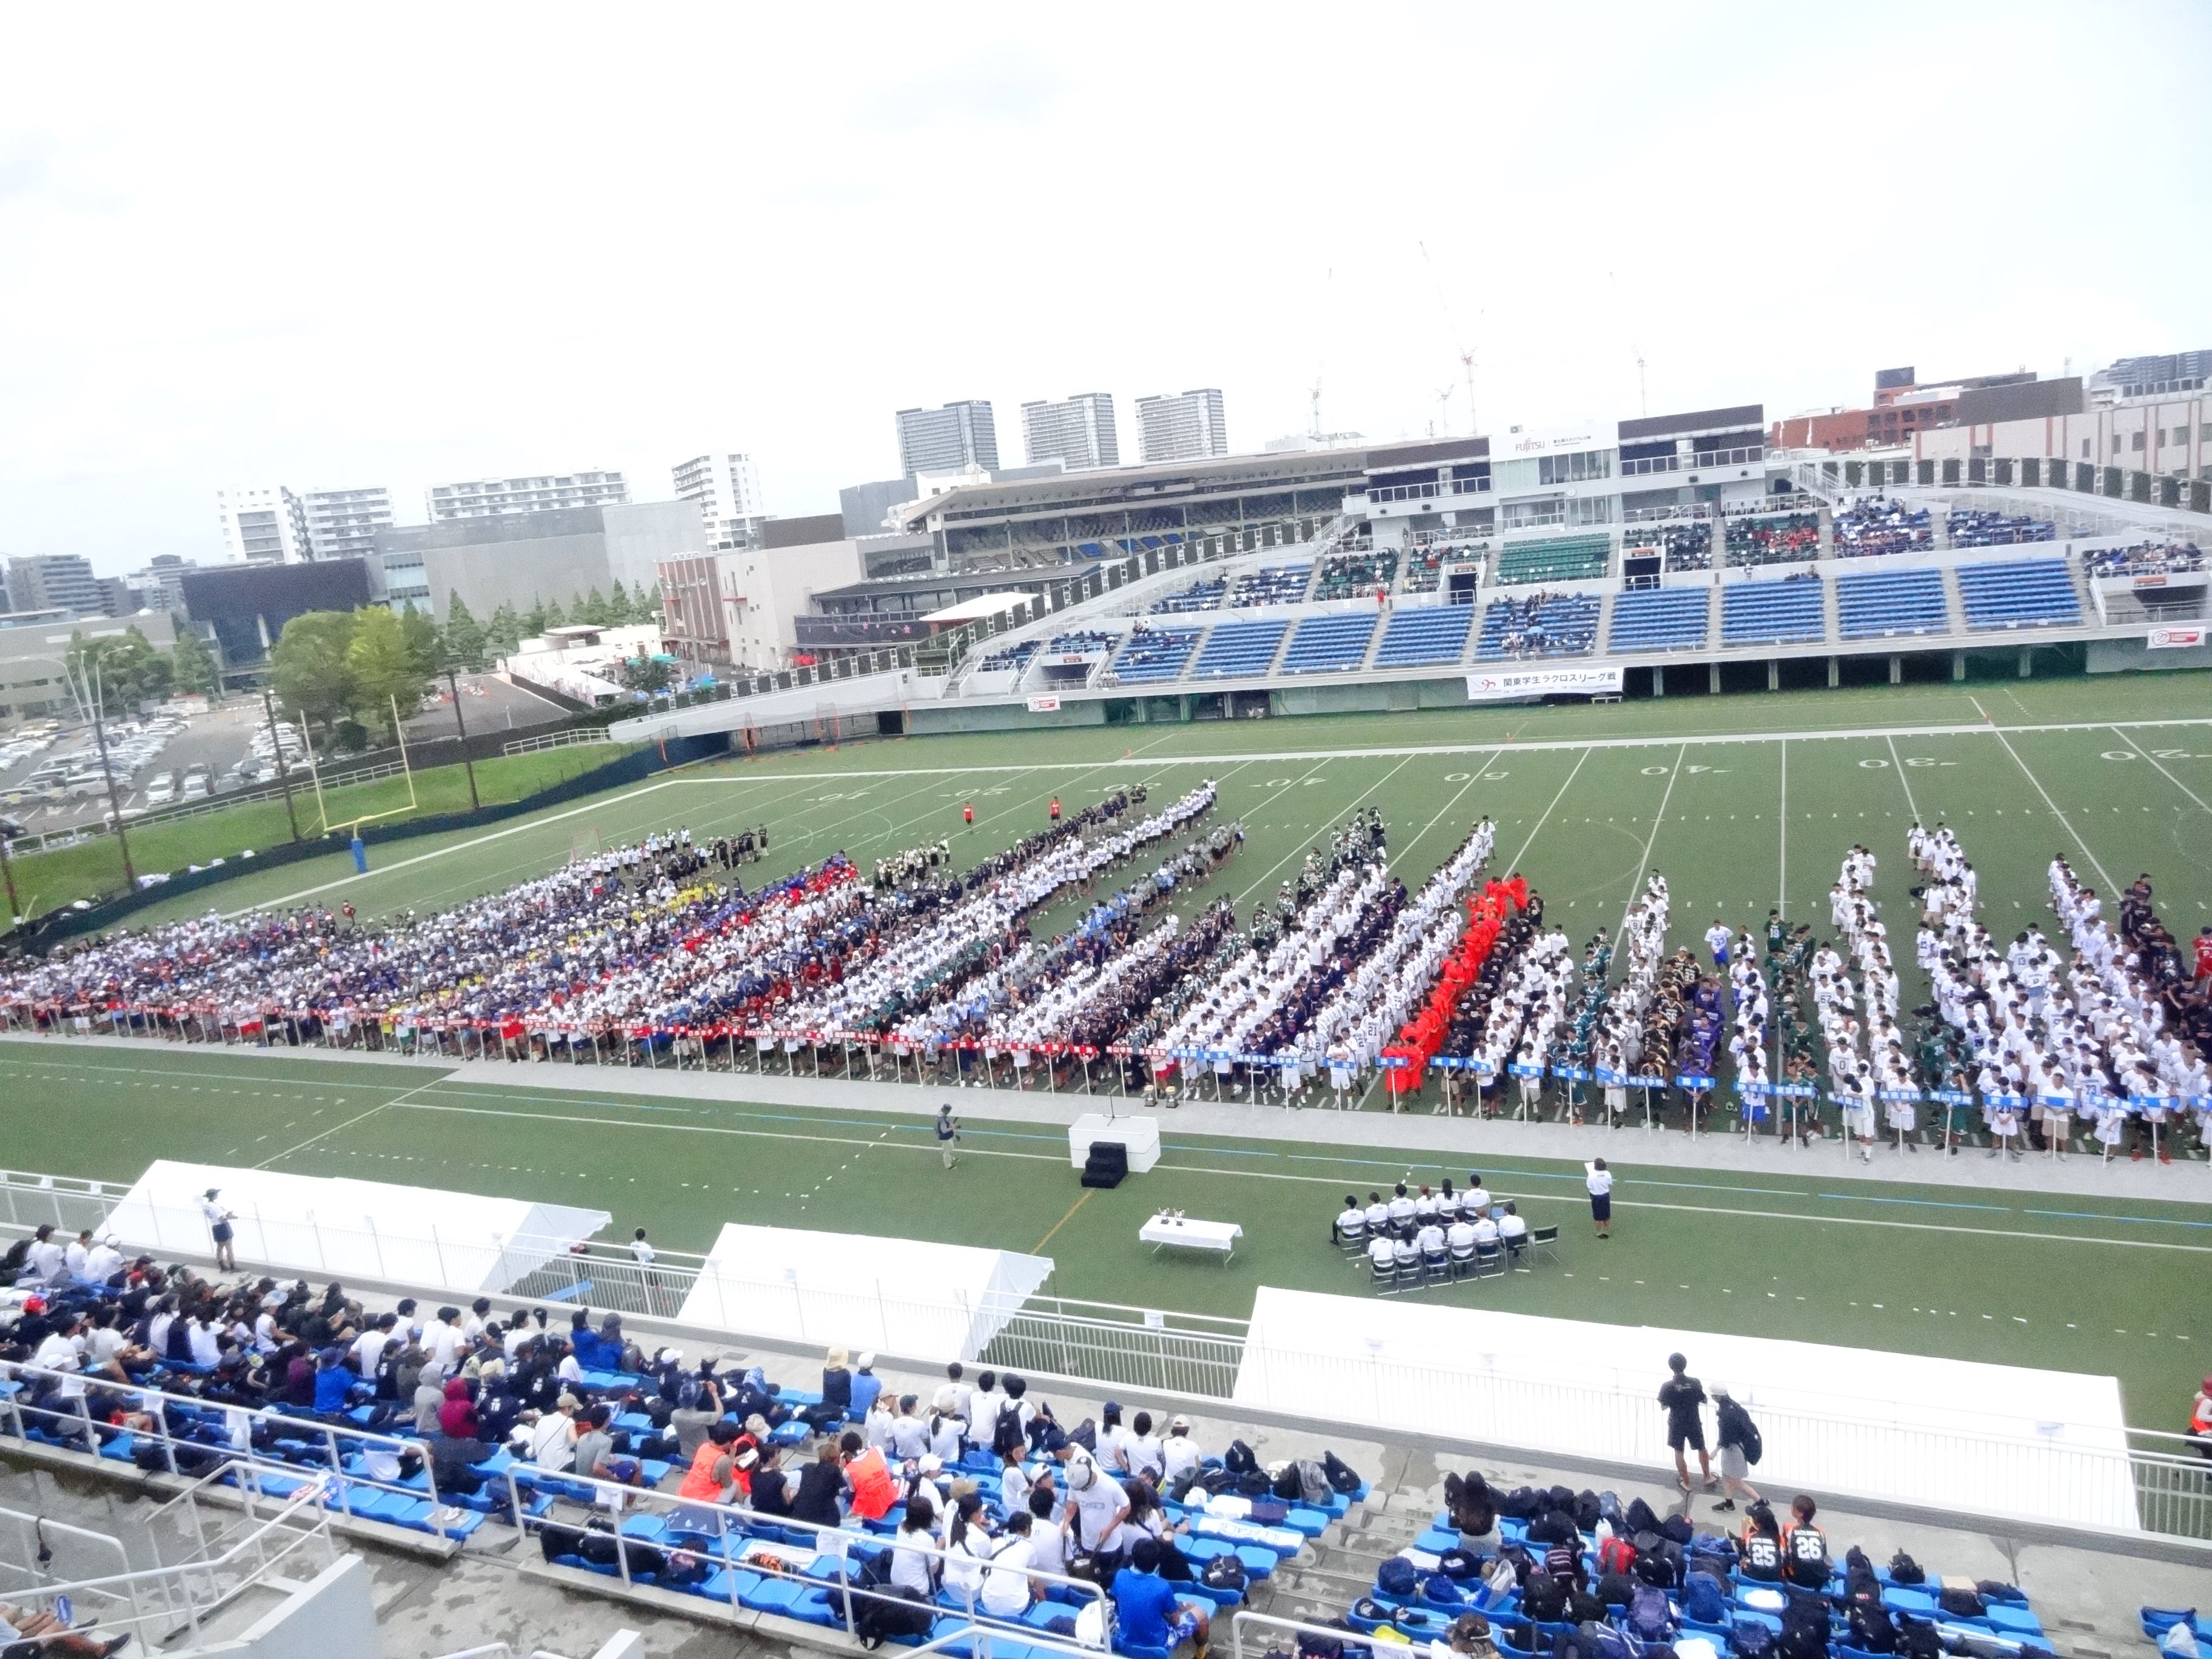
(1343, 985)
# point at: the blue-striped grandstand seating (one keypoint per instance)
(1426, 635)
(1660, 619)
(1546, 625)
(1326, 645)
(2018, 594)
(1203, 594)
(1772, 613)
(1874, 603)
(1157, 653)
(1239, 647)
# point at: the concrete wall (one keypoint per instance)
(519, 573)
(640, 534)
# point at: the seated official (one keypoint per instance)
(1351, 1226)
(1512, 1231)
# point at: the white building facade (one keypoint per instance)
(1187, 428)
(491, 498)
(262, 524)
(342, 524)
(724, 486)
(948, 439)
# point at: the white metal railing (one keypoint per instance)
(564, 739)
(159, 1604)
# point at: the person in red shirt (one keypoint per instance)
(2204, 956)
(1055, 809)
(968, 815)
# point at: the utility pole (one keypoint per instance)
(283, 776)
(462, 726)
(114, 802)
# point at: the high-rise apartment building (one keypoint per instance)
(342, 524)
(1185, 428)
(1077, 432)
(262, 525)
(491, 498)
(57, 581)
(948, 439)
(724, 486)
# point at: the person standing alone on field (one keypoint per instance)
(968, 814)
(1682, 1394)
(1054, 810)
(1599, 1180)
(948, 1135)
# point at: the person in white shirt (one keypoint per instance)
(1599, 1181)
(967, 1548)
(1378, 1216)
(46, 1259)
(553, 1436)
(1381, 1255)
(1430, 1241)
(1047, 1543)
(61, 1351)
(206, 1350)
(1014, 1484)
(1484, 1231)
(1178, 1452)
(1476, 1198)
(369, 1347)
(77, 1257)
(1096, 1506)
(1008, 1588)
(1716, 941)
(1142, 1453)
(913, 1557)
(1512, 1231)
(103, 1263)
(909, 1433)
(444, 1339)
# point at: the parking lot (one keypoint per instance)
(51, 783)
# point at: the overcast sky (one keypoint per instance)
(335, 246)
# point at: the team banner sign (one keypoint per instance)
(2175, 639)
(1043, 705)
(1499, 684)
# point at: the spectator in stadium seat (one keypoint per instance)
(595, 1454)
(1146, 1608)
(43, 1633)
(866, 1385)
(820, 1483)
(1805, 1561)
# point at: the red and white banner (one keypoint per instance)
(2175, 639)
(1495, 684)
(1043, 705)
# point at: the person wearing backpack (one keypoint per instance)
(1738, 1440)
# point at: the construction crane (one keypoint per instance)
(1463, 351)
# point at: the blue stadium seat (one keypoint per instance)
(1660, 619)
(1870, 604)
(1326, 645)
(1238, 647)
(1771, 613)
(2018, 594)
(1432, 633)
(1157, 653)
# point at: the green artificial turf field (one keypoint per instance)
(1744, 802)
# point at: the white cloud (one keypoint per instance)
(422, 243)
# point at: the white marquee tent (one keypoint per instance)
(374, 1230)
(1998, 1439)
(898, 1296)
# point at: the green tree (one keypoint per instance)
(554, 615)
(503, 632)
(593, 608)
(386, 677)
(644, 605)
(426, 647)
(645, 674)
(308, 667)
(194, 664)
(617, 605)
(465, 640)
(124, 669)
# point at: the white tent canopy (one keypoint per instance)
(1998, 1439)
(346, 1229)
(898, 1296)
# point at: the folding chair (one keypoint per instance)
(1462, 1261)
(1384, 1274)
(1409, 1269)
(1489, 1259)
(1436, 1265)
(1541, 1240)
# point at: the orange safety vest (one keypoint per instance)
(870, 1479)
(699, 1480)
